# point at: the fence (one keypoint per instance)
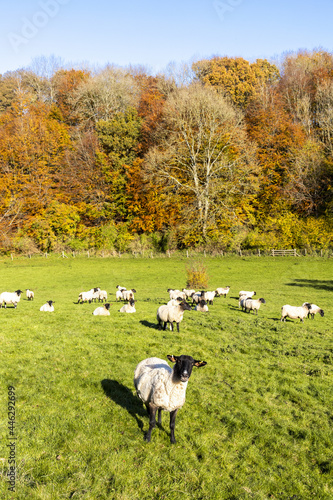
(292, 252)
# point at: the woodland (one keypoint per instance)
(221, 153)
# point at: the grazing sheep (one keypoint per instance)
(102, 310)
(197, 296)
(209, 297)
(30, 294)
(120, 288)
(128, 294)
(10, 298)
(169, 314)
(248, 294)
(162, 388)
(129, 307)
(88, 296)
(295, 312)
(253, 305)
(222, 291)
(188, 293)
(103, 295)
(174, 294)
(314, 310)
(47, 307)
(201, 306)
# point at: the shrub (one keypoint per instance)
(197, 276)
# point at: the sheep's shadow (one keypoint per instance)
(124, 397)
(149, 324)
(317, 284)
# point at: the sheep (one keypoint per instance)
(102, 310)
(241, 302)
(196, 297)
(188, 293)
(102, 295)
(128, 294)
(119, 295)
(163, 388)
(222, 291)
(129, 307)
(295, 312)
(120, 288)
(314, 310)
(202, 306)
(10, 298)
(48, 307)
(248, 294)
(169, 314)
(30, 294)
(176, 293)
(174, 302)
(209, 297)
(88, 296)
(253, 304)
(95, 293)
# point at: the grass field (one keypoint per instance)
(257, 422)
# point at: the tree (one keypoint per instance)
(236, 77)
(202, 155)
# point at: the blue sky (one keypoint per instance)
(155, 33)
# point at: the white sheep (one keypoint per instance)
(174, 294)
(119, 295)
(253, 304)
(209, 296)
(188, 292)
(129, 307)
(294, 312)
(174, 302)
(196, 297)
(10, 298)
(241, 302)
(314, 310)
(120, 288)
(248, 294)
(128, 294)
(222, 291)
(102, 295)
(162, 388)
(30, 294)
(201, 306)
(48, 306)
(169, 314)
(102, 310)
(88, 296)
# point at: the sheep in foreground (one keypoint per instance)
(162, 388)
(102, 310)
(314, 310)
(10, 298)
(30, 294)
(129, 307)
(202, 306)
(294, 312)
(253, 305)
(222, 291)
(48, 306)
(169, 314)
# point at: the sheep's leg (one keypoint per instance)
(171, 326)
(173, 415)
(178, 327)
(152, 420)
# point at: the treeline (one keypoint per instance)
(223, 153)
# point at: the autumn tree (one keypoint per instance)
(202, 155)
(235, 77)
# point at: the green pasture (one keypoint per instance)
(258, 418)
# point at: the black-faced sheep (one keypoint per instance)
(169, 314)
(10, 298)
(294, 312)
(314, 310)
(129, 307)
(162, 388)
(48, 306)
(102, 310)
(201, 306)
(30, 294)
(222, 291)
(253, 305)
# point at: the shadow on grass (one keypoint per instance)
(122, 396)
(317, 284)
(149, 324)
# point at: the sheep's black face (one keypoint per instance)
(321, 312)
(184, 365)
(185, 306)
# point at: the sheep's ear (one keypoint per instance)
(172, 358)
(199, 363)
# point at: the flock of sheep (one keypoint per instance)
(157, 385)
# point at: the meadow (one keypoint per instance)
(258, 418)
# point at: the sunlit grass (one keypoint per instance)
(257, 422)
